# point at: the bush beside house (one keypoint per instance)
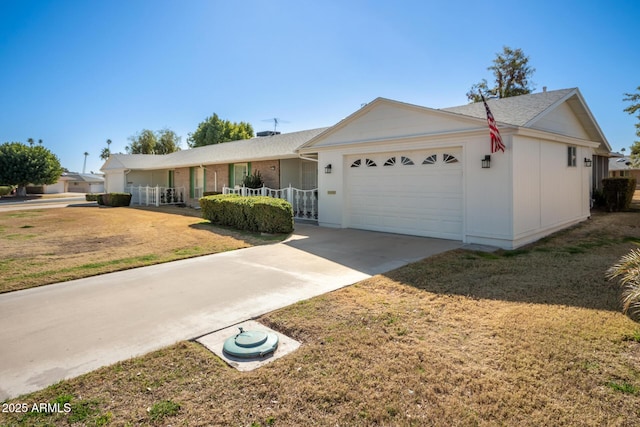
(5, 189)
(114, 199)
(263, 214)
(618, 193)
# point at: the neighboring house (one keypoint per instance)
(402, 168)
(620, 166)
(212, 167)
(71, 182)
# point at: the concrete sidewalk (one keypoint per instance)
(60, 331)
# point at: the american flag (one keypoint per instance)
(496, 139)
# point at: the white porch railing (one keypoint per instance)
(304, 202)
(155, 196)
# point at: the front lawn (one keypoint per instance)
(530, 337)
(39, 247)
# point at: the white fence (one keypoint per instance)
(155, 196)
(304, 202)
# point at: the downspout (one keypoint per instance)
(126, 172)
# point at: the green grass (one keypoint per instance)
(624, 387)
(163, 409)
(89, 267)
(25, 214)
(18, 236)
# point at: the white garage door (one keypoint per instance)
(413, 192)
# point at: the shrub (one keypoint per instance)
(598, 198)
(114, 199)
(618, 193)
(5, 189)
(263, 214)
(91, 197)
(211, 193)
(253, 181)
(628, 271)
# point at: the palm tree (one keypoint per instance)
(84, 166)
(40, 141)
(628, 271)
(30, 141)
(106, 152)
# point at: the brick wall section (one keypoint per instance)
(271, 178)
(222, 172)
(181, 179)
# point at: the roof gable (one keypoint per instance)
(562, 112)
(385, 118)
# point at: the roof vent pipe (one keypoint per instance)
(544, 89)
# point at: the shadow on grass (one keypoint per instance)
(252, 238)
(567, 268)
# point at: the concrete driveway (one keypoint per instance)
(67, 329)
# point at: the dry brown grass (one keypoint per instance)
(39, 247)
(530, 337)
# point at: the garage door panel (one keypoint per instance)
(419, 199)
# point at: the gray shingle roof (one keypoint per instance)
(517, 110)
(260, 148)
(86, 177)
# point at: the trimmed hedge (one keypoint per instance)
(618, 193)
(114, 199)
(263, 214)
(91, 197)
(5, 189)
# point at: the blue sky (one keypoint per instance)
(76, 73)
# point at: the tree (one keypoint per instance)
(84, 166)
(168, 141)
(512, 75)
(627, 271)
(22, 164)
(214, 130)
(634, 109)
(106, 152)
(164, 141)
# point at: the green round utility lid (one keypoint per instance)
(250, 338)
(250, 344)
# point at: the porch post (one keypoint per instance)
(157, 195)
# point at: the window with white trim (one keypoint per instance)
(572, 155)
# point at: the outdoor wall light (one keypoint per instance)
(327, 169)
(587, 162)
(486, 162)
(272, 168)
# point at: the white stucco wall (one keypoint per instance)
(114, 181)
(548, 194)
(488, 193)
(331, 189)
(562, 120)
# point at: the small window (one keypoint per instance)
(390, 162)
(356, 164)
(430, 160)
(448, 158)
(370, 163)
(406, 161)
(571, 156)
